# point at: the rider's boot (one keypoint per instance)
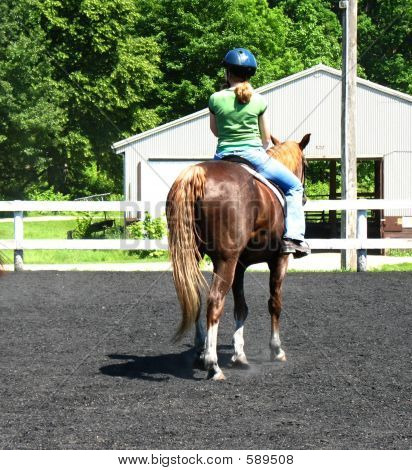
(298, 248)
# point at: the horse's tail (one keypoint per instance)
(183, 243)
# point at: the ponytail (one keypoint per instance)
(243, 92)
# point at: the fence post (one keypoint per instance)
(362, 234)
(18, 238)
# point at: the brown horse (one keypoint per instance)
(219, 209)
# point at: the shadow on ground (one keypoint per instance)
(161, 367)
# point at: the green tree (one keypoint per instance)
(106, 70)
(195, 35)
(315, 32)
(31, 119)
(385, 42)
(75, 76)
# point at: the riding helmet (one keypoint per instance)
(240, 61)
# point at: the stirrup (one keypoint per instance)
(298, 248)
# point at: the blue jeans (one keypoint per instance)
(275, 171)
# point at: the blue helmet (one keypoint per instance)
(240, 61)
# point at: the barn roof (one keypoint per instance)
(316, 69)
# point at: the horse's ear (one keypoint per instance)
(274, 140)
(304, 142)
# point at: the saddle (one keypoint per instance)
(248, 166)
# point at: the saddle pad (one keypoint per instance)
(263, 180)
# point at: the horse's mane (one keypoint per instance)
(289, 153)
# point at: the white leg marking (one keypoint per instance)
(211, 354)
(238, 344)
(276, 352)
(211, 345)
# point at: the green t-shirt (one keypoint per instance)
(237, 124)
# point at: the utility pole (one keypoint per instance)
(348, 125)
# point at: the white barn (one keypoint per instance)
(306, 102)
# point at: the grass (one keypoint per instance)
(57, 229)
(84, 256)
(403, 267)
(396, 252)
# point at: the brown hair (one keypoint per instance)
(183, 243)
(243, 92)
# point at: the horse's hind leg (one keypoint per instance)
(200, 342)
(222, 281)
(240, 314)
(278, 270)
(200, 335)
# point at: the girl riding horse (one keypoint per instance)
(218, 208)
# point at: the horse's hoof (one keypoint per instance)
(280, 356)
(240, 361)
(218, 376)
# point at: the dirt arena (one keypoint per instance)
(87, 362)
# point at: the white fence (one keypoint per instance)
(18, 244)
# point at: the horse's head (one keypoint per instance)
(290, 153)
